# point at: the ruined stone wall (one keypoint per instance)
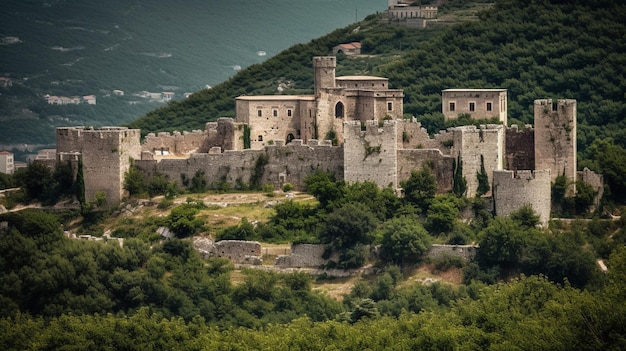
(176, 143)
(238, 251)
(520, 148)
(513, 190)
(411, 135)
(597, 183)
(106, 155)
(305, 255)
(371, 155)
(290, 163)
(466, 252)
(224, 133)
(470, 143)
(555, 137)
(440, 165)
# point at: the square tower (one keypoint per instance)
(555, 137)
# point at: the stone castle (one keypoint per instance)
(351, 126)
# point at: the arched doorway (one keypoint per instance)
(339, 110)
(290, 137)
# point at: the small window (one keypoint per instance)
(390, 106)
(289, 113)
(452, 107)
(259, 113)
(472, 106)
(275, 113)
(260, 138)
(489, 107)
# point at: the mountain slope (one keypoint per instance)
(545, 49)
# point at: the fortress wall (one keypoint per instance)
(371, 155)
(176, 143)
(513, 190)
(414, 159)
(470, 143)
(411, 135)
(520, 148)
(555, 137)
(286, 164)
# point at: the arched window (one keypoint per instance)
(339, 110)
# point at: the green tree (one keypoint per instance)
(442, 214)
(402, 240)
(420, 188)
(501, 244)
(483, 179)
(134, 181)
(459, 183)
(324, 187)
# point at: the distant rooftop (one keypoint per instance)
(276, 97)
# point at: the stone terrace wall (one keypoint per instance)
(305, 255)
(286, 164)
(466, 252)
(513, 190)
(520, 148)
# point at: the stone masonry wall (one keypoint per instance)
(520, 148)
(513, 190)
(176, 143)
(411, 135)
(470, 143)
(106, 155)
(440, 164)
(285, 164)
(371, 155)
(555, 137)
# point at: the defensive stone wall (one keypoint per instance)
(555, 137)
(411, 135)
(238, 251)
(290, 163)
(514, 190)
(520, 148)
(440, 165)
(175, 143)
(470, 143)
(371, 154)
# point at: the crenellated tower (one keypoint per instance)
(555, 137)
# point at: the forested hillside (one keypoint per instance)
(541, 49)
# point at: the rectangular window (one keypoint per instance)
(259, 113)
(275, 113)
(390, 106)
(452, 106)
(489, 106)
(289, 113)
(472, 106)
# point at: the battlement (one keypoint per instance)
(324, 61)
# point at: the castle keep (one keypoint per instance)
(281, 139)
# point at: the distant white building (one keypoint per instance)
(7, 165)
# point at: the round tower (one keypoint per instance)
(324, 68)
